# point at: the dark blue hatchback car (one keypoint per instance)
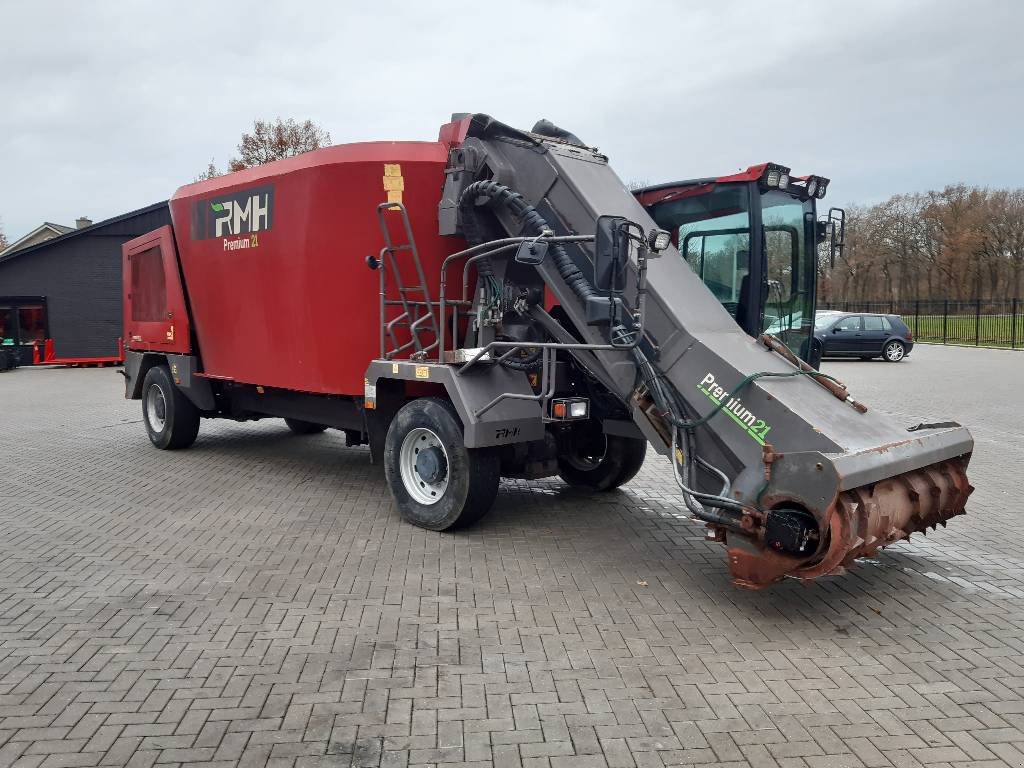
(864, 335)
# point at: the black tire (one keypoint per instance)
(465, 480)
(894, 351)
(171, 419)
(598, 461)
(304, 427)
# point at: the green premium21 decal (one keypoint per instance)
(735, 409)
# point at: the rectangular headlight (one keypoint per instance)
(578, 410)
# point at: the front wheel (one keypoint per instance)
(172, 420)
(438, 483)
(894, 352)
(591, 459)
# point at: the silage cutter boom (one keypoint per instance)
(788, 471)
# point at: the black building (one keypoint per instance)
(68, 288)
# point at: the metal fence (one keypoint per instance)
(978, 322)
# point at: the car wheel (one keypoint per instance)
(894, 352)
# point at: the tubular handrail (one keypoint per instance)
(481, 251)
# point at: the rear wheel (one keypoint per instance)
(591, 459)
(304, 427)
(172, 420)
(894, 351)
(438, 483)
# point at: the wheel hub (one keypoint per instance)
(431, 464)
(423, 465)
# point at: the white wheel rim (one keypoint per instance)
(421, 490)
(156, 408)
(895, 352)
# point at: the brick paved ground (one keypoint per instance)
(256, 600)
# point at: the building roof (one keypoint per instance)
(69, 232)
(47, 226)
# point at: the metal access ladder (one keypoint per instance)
(417, 313)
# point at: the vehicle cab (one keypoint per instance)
(753, 239)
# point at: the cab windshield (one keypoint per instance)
(713, 226)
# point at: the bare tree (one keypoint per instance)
(960, 242)
(211, 172)
(3, 237)
(277, 140)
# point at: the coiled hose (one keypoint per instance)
(496, 194)
(534, 224)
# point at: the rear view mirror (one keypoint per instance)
(611, 253)
(837, 233)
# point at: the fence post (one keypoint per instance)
(1013, 328)
(917, 315)
(945, 317)
(977, 322)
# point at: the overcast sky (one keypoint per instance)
(107, 107)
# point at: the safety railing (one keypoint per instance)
(417, 313)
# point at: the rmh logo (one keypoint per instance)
(238, 217)
(237, 213)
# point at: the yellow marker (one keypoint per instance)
(422, 372)
(394, 184)
(394, 367)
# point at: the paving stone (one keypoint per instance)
(257, 601)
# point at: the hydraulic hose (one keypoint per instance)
(499, 194)
(534, 223)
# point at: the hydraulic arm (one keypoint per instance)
(788, 471)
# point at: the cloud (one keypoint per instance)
(108, 107)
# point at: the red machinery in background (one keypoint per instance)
(47, 356)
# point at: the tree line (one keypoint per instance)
(962, 242)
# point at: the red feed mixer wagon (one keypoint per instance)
(497, 304)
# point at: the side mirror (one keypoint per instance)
(611, 253)
(836, 329)
(837, 238)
